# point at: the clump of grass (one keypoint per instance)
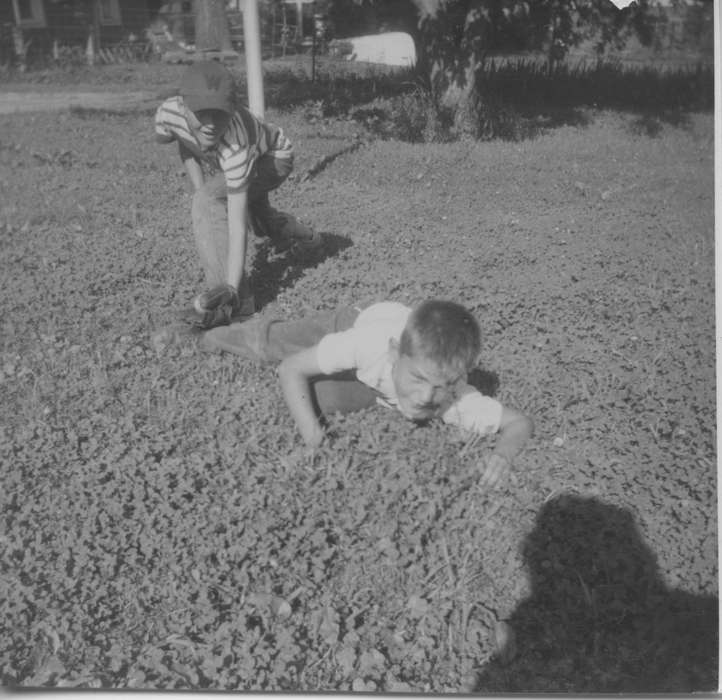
(414, 117)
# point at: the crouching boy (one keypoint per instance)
(233, 160)
(416, 361)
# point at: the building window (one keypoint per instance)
(29, 13)
(109, 12)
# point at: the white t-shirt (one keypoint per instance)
(365, 348)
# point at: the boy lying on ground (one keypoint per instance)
(417, 361)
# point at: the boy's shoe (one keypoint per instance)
(226, 296)
(283, 230)
(221, 315)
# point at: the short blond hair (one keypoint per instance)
(444, 332)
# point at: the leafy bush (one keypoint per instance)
(336, 90)
(413, 116)
(531, 87)
(516, 99)
(510, 99)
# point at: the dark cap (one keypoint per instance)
(207, 85)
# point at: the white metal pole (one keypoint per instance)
(252, 42)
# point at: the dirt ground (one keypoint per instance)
(161, 529)
(33, 101)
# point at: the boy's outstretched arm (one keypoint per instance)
(295, 373)
(515, 429)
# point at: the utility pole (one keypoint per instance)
(252, 48)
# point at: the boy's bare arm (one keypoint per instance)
(514, 430)
(237, 237)
(295, 373)
(192, 166)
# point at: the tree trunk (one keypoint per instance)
(212, 33)
(21, 48)
(93, 43)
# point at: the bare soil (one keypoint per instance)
(31, 101)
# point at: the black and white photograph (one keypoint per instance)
(358, 346)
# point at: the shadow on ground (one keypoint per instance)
(271, 273)
(650, 124)
(485, 381)
(599, 618)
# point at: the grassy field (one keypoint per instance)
(161, 528)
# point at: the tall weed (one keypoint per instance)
(414, 117)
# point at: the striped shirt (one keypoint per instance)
(245, 140)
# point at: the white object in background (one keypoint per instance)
(391, 49)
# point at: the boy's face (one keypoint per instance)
(424, 388)
(208, 125)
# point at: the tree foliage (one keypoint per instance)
(354, 17)
(455, 35)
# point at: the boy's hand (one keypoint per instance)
(300, 458)
(313, 436)
(295, 373)
(496, 469)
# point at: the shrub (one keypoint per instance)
(509, 99)
(415, 117)
(513, 100)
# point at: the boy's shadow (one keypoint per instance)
(599, 617)
(273, 272)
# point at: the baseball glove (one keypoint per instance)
(215, 307)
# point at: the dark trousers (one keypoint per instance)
(271, 340)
